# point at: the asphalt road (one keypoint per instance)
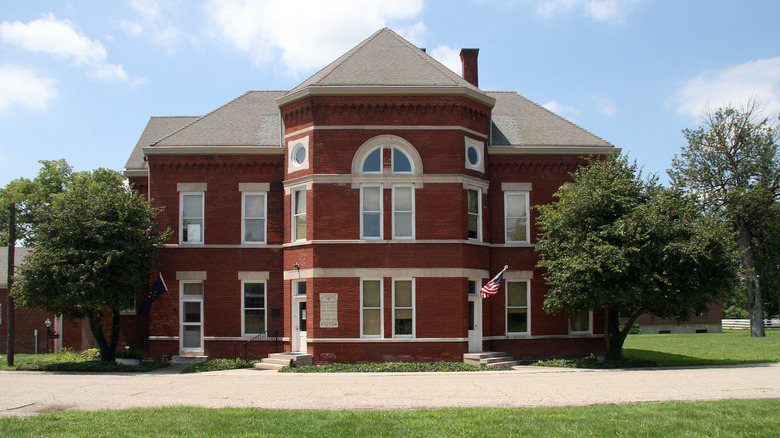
(29, 393)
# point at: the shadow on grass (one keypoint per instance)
(673, 360)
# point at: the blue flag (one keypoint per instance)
(158, 288)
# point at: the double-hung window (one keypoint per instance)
(403, 308)
(517, 308)
(371, 212)
(403, 212)
(192, 218)
(254, 220)
(581, 323)
(299, 214)
(371, 306)
(474, 208)
(516, 217)
(254, 308)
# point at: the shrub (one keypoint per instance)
(91, 354)
(128, 355)
(218, 365)
(392, 367)
(65, 355)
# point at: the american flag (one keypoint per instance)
(491, 288)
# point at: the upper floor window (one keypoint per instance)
(371, 212)
(299, 214)
(403, 157)
(474, 207)
(254, 217)
(192, 218)
(516, 217)
(373, 162)
(401, 163)
(403, 212)
(298, 154)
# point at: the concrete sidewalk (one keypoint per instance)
(28, 393)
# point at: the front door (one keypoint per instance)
(475, 324)
(299, 325)
(191, 334)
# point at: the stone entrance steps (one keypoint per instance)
(188, 360)
(489, 359)
(276, 361)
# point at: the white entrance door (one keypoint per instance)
(191, 334)
(475, 324)
(299, 325)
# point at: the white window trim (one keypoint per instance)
(414, 309)
(480, 148)
(294, 290)
(479, 213)
(292, 147)
(243, 307)
(581, 332)
(294, 228)
(527, 219)
(381, 308)
(202, 218)
(244, 218)
(411, 237)
(192, 298)
(381, 213)
(527, 306)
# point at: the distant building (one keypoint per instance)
(357, 216)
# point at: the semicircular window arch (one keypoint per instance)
(404, 157)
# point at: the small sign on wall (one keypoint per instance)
(329, 317)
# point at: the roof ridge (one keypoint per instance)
(198, 119)
(556, 115)
(428, 58)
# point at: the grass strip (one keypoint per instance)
(727, 418)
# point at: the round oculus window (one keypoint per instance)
(299, 154)
(473, 155)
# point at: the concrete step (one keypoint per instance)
(276, 361)
(188, 360)
(268, 366)
(489, 358)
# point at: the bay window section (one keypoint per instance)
(403, 212)
(371, 212)
(516, 217)
(299, 215)
(403, 308)
(474, 223)
(517, 311)
(371, 309)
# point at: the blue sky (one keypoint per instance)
(79, 79)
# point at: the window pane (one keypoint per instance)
(253, 230)
(472, 287)
(192, 231)
(403, 294)
(517, 320)
(195, 289)
(192, 206)
(371, 198)
(254, 295)
(254, 321)
(403, 225)
(371, 294)
(371, 322)
(300, 288)
(403, 322)
(473, 201)
(580, 322)
(191, 337)
(400, 161)
(403, 199)
(473, 226)
(300, 201)
(516, 230)
(254, 206)
(371, 225)
(516, 294)
(191, 312)
(373, 161)
(516, 205)
(300, 227)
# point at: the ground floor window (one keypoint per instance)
(403, 308)
(581, 323)
(371, 305)
(517, 299)
(254, 308)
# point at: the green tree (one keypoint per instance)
(732, 163)
(30, 195)
(614, 241)
(767, 242)
(93, 246)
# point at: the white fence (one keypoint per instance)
(744, 324)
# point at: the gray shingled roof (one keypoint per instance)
(157, 128)
(385, 59)
(518, 121)
(250, 120)
(19, 255)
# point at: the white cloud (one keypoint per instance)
(599, 10)
(304, 35)
(449, 57)
(23, 87)
(606, 106)
(62, 39)
(562, 110)
(153, 22)
(56, 37)
(733, 85)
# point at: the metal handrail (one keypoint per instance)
(253, 346)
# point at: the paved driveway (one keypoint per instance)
(26, 393)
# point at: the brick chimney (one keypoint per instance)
(468, 57)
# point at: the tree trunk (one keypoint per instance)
(107, 348)
(614, 335)
(755, 302)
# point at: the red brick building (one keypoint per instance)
(357, 216)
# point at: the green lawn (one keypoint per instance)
(721, 418)
(732, 347)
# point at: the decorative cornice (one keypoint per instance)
(397, 90)
(200, 164)
(553, 150)
(213, 150)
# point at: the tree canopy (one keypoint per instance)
(732, 163)
(94, 244)
(613, 241)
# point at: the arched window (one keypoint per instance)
(373, 162)
(369, 157)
